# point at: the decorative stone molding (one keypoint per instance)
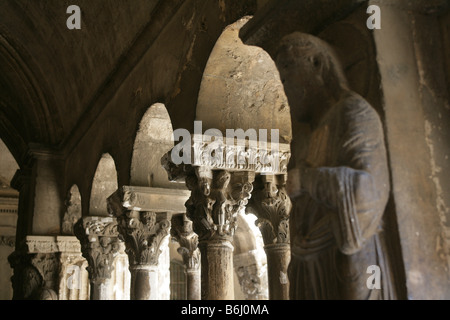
(68, 244)
(183, 232)
(148, 199)
(99, 244)
(242, 155)
(272, 206)
(41, 244)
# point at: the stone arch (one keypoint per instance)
(103, 185)
(73, 210)
(241, 88)
(153, 139)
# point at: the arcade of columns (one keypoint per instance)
(141, 220)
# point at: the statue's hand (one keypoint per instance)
(293, 183)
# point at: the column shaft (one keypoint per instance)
(278, 257)
(193, 284)
(217, 270)
(144, 283)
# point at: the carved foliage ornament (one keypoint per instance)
(143, 234)
(99, 245)
(271, 204)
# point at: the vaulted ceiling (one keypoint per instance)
(49, 75)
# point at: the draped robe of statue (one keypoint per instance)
(336, 221)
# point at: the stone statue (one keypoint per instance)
(340, 183)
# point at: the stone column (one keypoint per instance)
(183, 232)
(144, 218)
(272, 206)
(220, 175)
(216, 199)
(144, 234)
(99, 245)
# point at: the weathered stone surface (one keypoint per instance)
(340, 182)
(241, 88)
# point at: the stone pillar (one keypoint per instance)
(272, 206)
(144, 219)
(220, 175)
(183, 232)
(99, 245)
(216, 199)
(144, 233)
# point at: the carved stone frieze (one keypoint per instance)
(41, 244)
(240, 155)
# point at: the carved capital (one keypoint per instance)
(272, 206)
(216, 199)
(99, 245)
(48, 266)
(183, 232)
(144, 232)
(35, 275)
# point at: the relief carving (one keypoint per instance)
(143, 233)
(99, 245)
(272, 206)
(216, 199)
(183, 232)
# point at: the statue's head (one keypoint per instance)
(309, 71)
